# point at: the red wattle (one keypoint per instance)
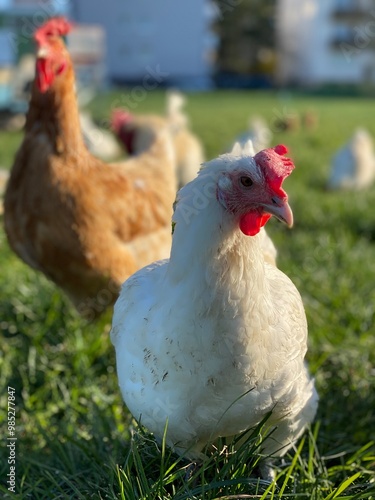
(264, 219)
(44, 75)
(252, 222)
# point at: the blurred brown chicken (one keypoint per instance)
(188, 148)
(85, 224)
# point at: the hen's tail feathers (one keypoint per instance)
(175, 102)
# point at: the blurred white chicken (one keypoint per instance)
(188, 148)
(353, 166)
(214, 339)
(258, 132)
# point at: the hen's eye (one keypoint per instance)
(246, 181)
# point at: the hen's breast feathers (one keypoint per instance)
(197, 358)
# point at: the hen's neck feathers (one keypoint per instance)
(55, 113)
(223, 264)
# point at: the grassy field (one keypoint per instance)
(75, 438)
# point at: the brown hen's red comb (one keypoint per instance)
(119, 118)
(57, 26)
(275, 166)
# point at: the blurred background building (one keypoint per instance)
(325, 41)
(197, 44)
(175, 37)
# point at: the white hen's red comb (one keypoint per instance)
(275, 166)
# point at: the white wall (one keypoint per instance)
(306, 30)
(166, 34)
(295, 22)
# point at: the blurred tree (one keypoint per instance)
(246, 30)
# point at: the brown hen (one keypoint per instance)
(85, 224)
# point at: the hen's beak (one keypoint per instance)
(279, 207)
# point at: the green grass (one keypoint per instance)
(75, 437)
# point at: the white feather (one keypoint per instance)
(353, 166)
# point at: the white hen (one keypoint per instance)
(353, 166)
(258, 132)
(214, 338)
